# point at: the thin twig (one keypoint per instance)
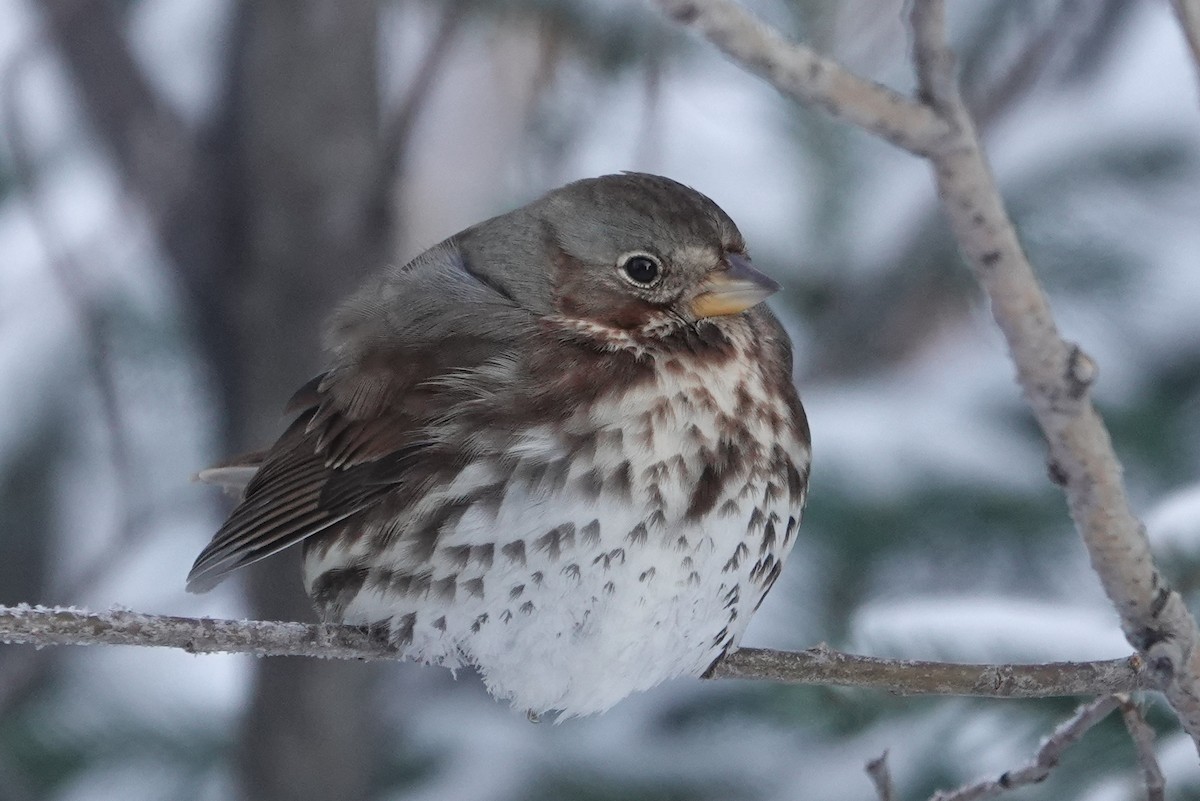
(1143, 743)
(131, 524)
(799, 72)
(881, 777)
(1046, 758)
(819, 666)
(932, 57)
(823, 665)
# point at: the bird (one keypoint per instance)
(563, 447)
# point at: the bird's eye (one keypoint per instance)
(641, 270)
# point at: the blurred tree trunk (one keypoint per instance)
(306, 110)
(269, 216)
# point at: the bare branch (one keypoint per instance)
(41, 625)
(819, 666)
(825, 666)
(398, 128)
(935, 62)
(800, 73)
(1188, 12)
(1143, 742)
(1046, 759)
(132, 525)
(1056, 377)
(881, 777)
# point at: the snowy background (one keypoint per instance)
(932, 531)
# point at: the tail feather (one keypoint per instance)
(231, 479)
(233, 475)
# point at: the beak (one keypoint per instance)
(733, 290)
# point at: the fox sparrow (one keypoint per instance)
(563, 446)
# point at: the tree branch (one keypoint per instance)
(1046, 759)
(799, 72)
(41, 626)
(825, 666)
(400, 125)
(1055, 375)
(77, 289)
(881, 777)
(149, 142)
(1051, 751)
(167, 166)
(1143, 743)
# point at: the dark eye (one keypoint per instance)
(641, 270)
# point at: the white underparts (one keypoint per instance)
(585, 581)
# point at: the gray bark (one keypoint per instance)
(306, 113)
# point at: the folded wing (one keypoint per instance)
(363, 428)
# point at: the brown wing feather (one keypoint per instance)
(315, 476)
(362, 426)
(281, 506)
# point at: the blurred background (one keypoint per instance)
(188, 186)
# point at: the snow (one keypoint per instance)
(986, 629)
(1173, 524)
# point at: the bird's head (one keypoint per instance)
(643, 253)
(632, 253)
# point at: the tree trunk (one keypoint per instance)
(269, 217)
(305, 100)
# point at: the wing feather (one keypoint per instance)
(363, 427)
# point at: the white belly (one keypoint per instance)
(590, 580)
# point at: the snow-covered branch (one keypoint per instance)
(1056, 375)
(1143, 743)
(40, 626)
